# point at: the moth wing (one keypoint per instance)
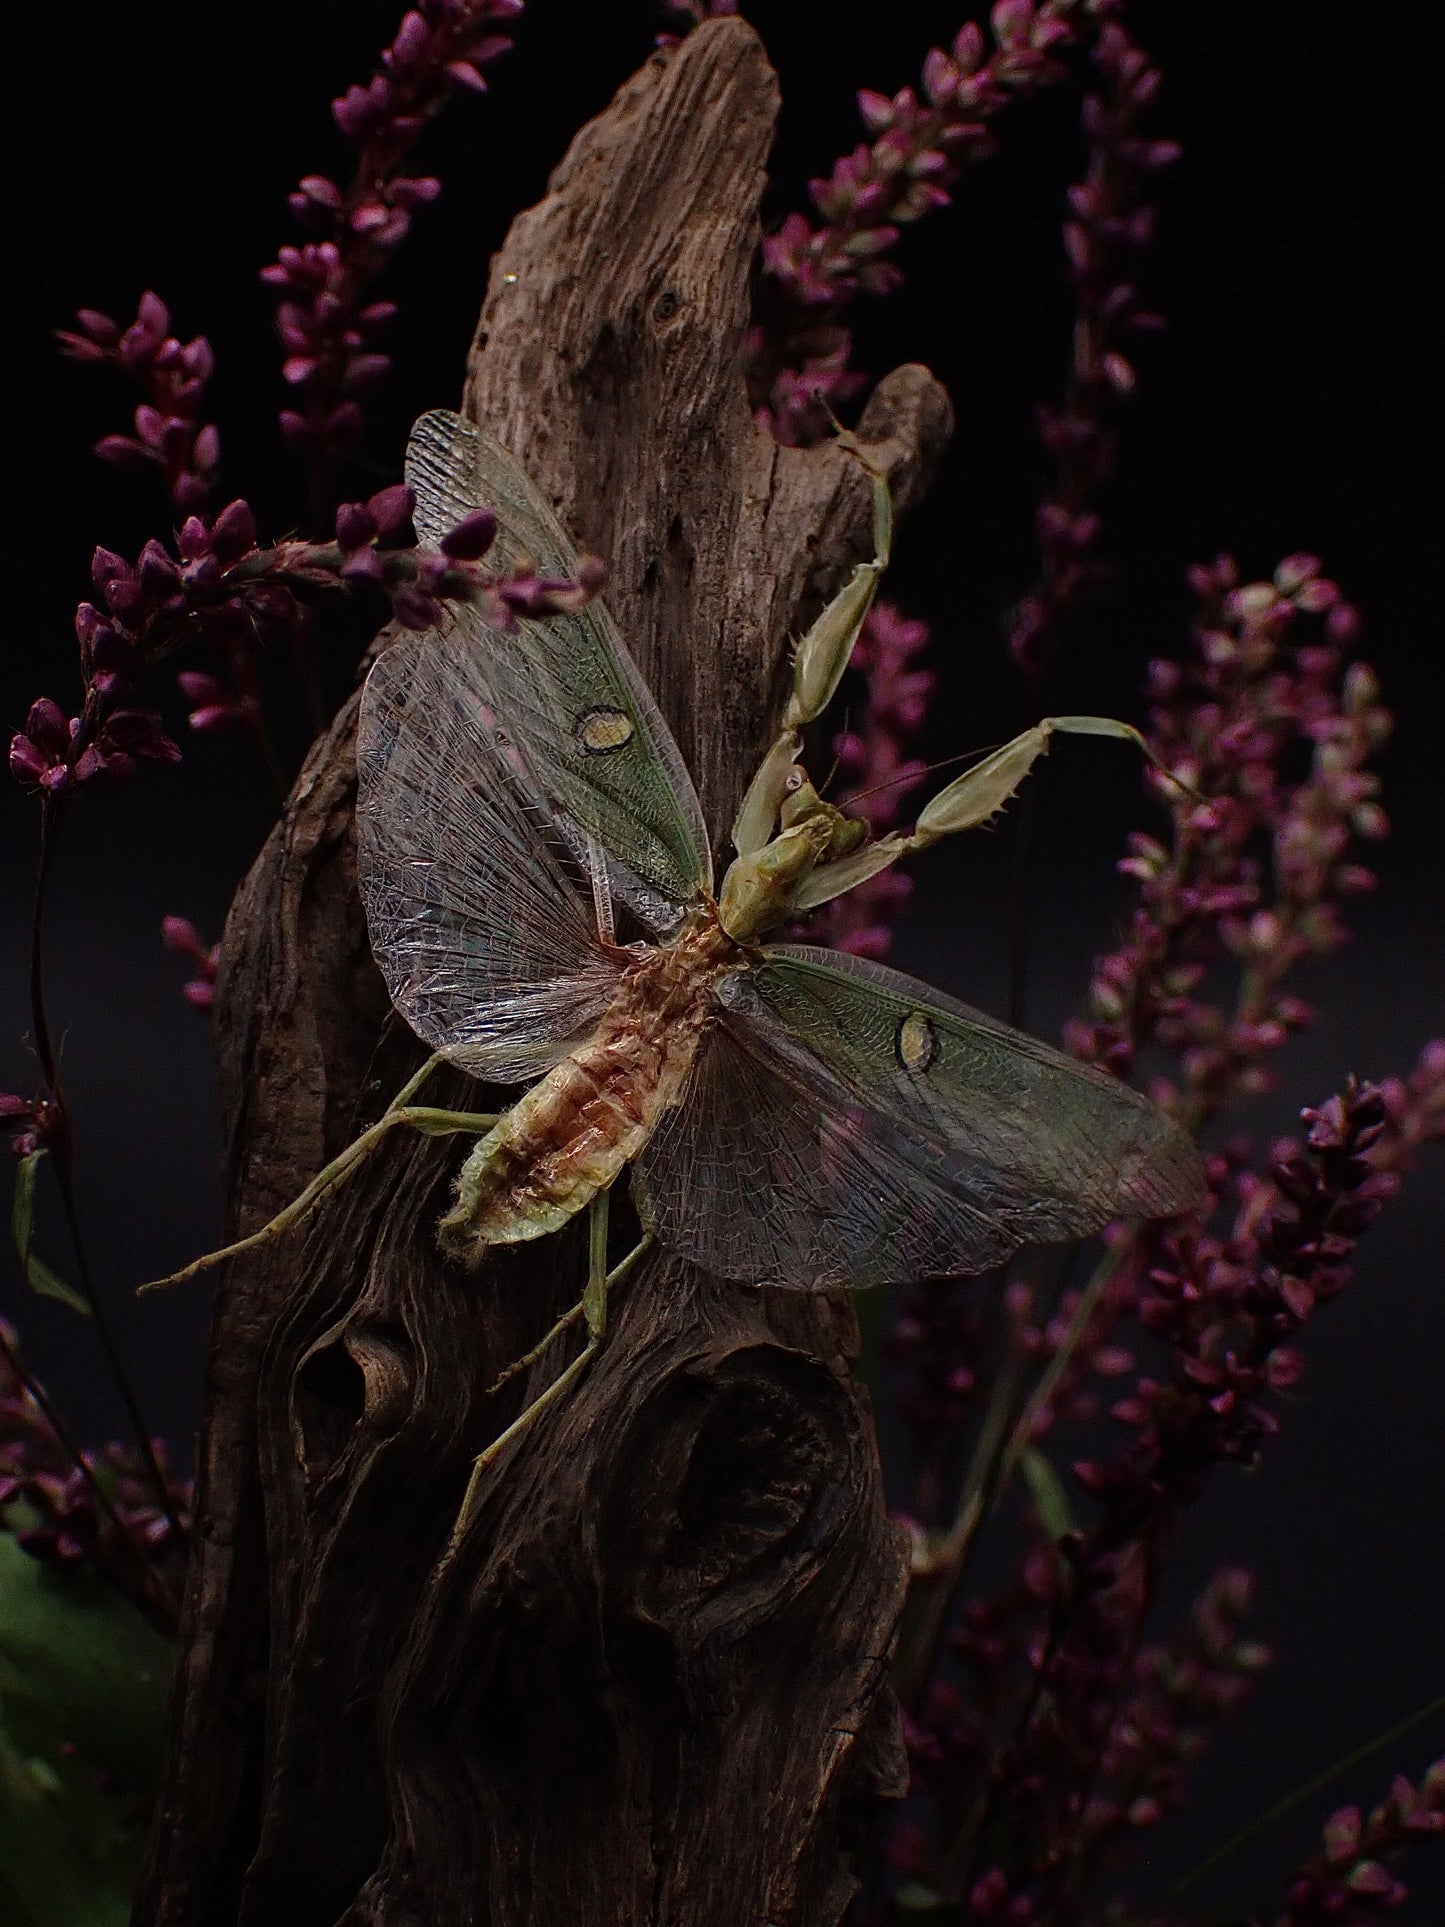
(484, 936)
(565, 687)
(863, 1129)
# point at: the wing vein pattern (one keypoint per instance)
(484, 938)
(846, 1125)
(567, 691)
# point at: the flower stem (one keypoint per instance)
(1282, 1809)
(62, 1161)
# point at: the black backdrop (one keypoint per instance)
(1294, 404)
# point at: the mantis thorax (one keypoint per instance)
(762, 887)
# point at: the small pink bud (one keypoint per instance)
(369, 216)
(466, 75)
(940, 76)
(177, 933)
(472, 537)
(417, 191)
(194, 538)
(413, 37)
(875, 111)
(28, 764)
(121, 451)
(1118, 371)
(98, 326)
(1377, 1882)
(1294, 572)
(233, 533)
(318, 189)
(355, 525)
(392, 508)
(47, 728)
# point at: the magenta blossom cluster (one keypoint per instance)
(221, 586)
(1111, 222)
(182, 936)
(170, 431)
(328, 327)
(1255, 874)
(919, 141)
(1073, 1735)
(94, 1508)
(1126, 1763)
(877, 770)
(1228, 1309)
(1352, 1878)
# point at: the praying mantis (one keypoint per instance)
(789, 1115)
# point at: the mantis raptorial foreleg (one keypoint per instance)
(966, 803)
(592, 1308)
(427, 1119)
(818, 665)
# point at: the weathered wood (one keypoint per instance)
(652, 1687)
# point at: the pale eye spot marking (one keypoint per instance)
(601, 731)
(916, 1043)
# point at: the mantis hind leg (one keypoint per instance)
(591, 1308)
(430, 1121)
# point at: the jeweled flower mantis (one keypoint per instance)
(790, 1115)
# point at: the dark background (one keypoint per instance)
(1295, 404)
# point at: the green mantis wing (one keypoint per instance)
(567, 692)
(846, 1125)
(479, 926)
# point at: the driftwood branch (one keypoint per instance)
(652, 1687)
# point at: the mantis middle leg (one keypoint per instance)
(591, 1308)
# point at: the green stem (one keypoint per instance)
(1282, 1809)
(62, 1150)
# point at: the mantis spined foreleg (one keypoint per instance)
(818, 666)
(592, 1309)
(427, 1119)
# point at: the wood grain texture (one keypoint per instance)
(652, 1687)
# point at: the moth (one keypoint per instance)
(789, 1115)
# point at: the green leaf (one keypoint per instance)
(82, 1700)
(1046, 1489)
(38, 1274)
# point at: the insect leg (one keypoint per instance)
(594, 1298)
(977, 795)
(430, 1121)
(593, 1308)
(818, 666)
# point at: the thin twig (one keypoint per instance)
(62, 1160)
(1282, 1809)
